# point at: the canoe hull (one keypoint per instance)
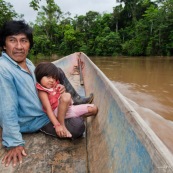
(118, 139)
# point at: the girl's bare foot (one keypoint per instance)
(67, 134)
(92, 111)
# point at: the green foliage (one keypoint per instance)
(108, 43)
(35, 4)
(6, 12)
(135, 28)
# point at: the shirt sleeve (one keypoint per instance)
(11, 135)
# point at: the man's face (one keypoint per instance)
(17, 47)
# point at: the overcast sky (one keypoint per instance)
(79, 7)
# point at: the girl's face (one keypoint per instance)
(48, 82)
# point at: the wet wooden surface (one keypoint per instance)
(47, 154)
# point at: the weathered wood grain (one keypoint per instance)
(47, 154)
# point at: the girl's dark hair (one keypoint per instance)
(14, 27)
(46, 69)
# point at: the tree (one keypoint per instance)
(47, 20)
(136, 27)
(107, 43)
(69, 40)
(131, 7)
(35, 4)
(6, 12)
(116, 17)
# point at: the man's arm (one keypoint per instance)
(11, 136)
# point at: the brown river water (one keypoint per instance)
(146, 81)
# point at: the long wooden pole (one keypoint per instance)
(80, 71)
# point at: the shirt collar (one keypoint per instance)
(13, 62)
(10, 59)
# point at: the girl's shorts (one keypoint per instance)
(76, 110)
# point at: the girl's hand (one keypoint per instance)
(61, 88)
(60, 131)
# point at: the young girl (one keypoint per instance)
(52, 96)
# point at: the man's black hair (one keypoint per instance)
(15, 27)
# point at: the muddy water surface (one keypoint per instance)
(146, 81)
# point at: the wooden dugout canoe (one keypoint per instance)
(117, 140)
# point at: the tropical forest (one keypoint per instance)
(134, 28)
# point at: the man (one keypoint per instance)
(20, 108)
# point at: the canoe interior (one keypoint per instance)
(116, 140)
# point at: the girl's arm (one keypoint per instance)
(47, 107)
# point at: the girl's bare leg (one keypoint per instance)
(63, 106)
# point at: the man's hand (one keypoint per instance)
(61, 88)
(15, 155)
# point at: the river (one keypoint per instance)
(146, 81)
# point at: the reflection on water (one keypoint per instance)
(146, 81)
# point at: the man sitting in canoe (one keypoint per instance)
(20, 108)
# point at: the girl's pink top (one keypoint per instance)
(53, 94)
